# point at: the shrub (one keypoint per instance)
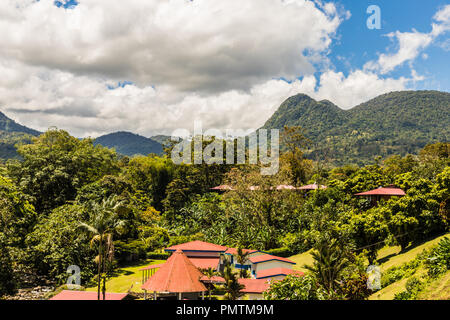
(158, 255)
(131, 251)
(295, 287)
(413, 287)
(438, 261)
(280, 252)
(7, 279)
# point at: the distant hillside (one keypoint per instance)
(12, 133)
(161, 139)
(129, 144)
(9, 125)
(393, 123)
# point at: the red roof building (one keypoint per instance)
(254, 285)
(205, 263)
(389, 191)
(213, 279)
(269, 257)
(277, 273)
(178, 275)
(312, 187)
(222, 188)
(234, 251)
(382, 194)
(87, 295)
(197, 246)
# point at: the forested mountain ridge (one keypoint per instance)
(129, 144)
(9, 125)
(394, 123)
(12, 133)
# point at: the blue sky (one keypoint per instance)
(152, 66)
(358, 44)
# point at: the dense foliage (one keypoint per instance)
(69, 202)
(394, 123)
(129, 144)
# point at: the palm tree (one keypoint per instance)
(241, 258)
(104, 223)
(232, 286)
(329, 263)
(210, 272)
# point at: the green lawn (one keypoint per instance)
(302, 259)
(127, 278)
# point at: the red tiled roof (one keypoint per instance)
(286, 187)
(268, 257)
(205, 263)
(277, 272)
(383, 192)
(214, 279)
(87, 295)
(254, 285)
(234, 251)
(152, 266)
(224, 187)
(198, 246)
(178, 274)
(312, 187)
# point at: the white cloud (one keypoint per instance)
(201, 45)
(411, 44)
(214, 60)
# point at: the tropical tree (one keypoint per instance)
(294, 140)
(210, 272)
(7, 278)
(104, 223)
(295, 287)
(232, 286)
(241, 258)
(56, 165)
(330, 261)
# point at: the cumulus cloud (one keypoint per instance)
(202, 45)
(228, 63)
(411, 44)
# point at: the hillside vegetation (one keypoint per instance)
(393, 123)
(129, 144)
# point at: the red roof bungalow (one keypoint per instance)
(382, 193)
(177, 278)
(267, 261)
(222, 188)
(88, 295)
(203, 255)
(314, 186)
(277, 273)
(254, 288)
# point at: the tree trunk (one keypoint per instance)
(99, 267)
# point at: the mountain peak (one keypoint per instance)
(129, 144)
(9, 125)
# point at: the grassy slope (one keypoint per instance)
(128, 278)
(438, 289)
(389, 257)
(302, 259)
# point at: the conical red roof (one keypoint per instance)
(178, 274)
